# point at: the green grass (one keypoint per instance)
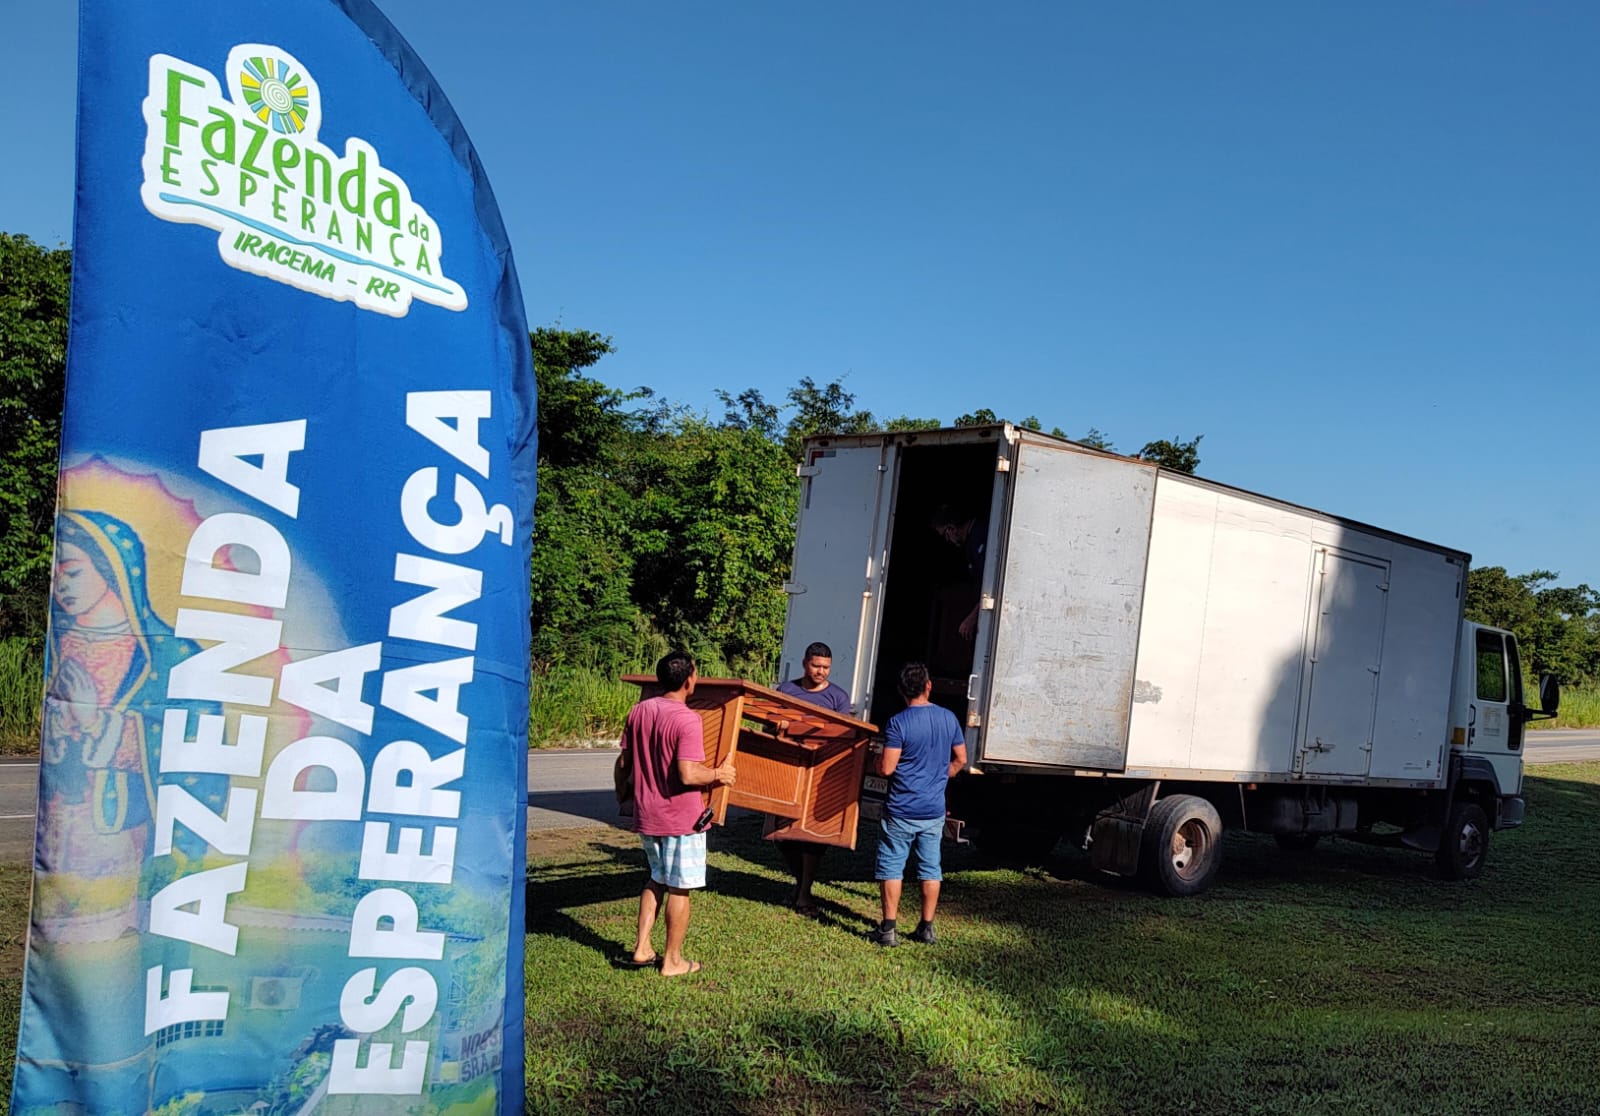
(576, 704)
(1580, 708)
(1344, 980)
(15, 888)
(21, 689)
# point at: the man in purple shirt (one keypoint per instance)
(663, 757)
(803, 858)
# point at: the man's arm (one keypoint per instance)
(692, 773)
(893, 745)
(958, 759)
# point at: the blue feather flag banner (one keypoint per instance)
(281, 846)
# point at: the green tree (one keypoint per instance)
(750, 411)
(581, 585)
(1557, 628)
(829, 409)
(1179, 456)
(907, 423)
(1096, 440)
(34, 286)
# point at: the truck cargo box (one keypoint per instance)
(1128, 620)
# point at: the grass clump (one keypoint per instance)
(21, 693)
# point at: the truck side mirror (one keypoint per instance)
(1549, 694)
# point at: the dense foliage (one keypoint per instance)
(33, 359)
(1558, 628)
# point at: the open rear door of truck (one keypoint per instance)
(835, 591)
(1066, 633)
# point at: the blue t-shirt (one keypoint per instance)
(924, 734)
(829, 697)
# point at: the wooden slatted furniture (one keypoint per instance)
(799, 764)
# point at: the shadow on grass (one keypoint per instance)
(615, 869)
(1344, 979)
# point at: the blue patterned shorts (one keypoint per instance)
(676, 861)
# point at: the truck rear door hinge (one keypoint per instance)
(1002, 464)
(986, 603)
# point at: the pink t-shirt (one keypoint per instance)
(657, 734)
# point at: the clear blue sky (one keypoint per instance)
(1355, 245)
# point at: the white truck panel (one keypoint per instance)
(1426, 597)
(1068, 624)
(1151, 623)
(1278, 643)
(1224, 635)
(838, 561)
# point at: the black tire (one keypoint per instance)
(1182, 845)
(1297, 842)
(1464, 843)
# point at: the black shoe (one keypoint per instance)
(923, 934)
(885, 938)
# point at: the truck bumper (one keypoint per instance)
(1511, 812)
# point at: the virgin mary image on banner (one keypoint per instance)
(107, 661)
(109, 654)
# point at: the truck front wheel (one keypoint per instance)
(1182, 845)
(1464, 844)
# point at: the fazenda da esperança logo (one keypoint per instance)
(247, 162)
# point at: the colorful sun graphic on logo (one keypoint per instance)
(275, 93)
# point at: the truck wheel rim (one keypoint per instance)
(1470, 843)
(1189, 843)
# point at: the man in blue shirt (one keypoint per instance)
(924, 748)
(805, 857)
(813, 684)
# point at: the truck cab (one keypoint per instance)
(1488, 718)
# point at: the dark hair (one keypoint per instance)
(944, 516)
(913, 680)
(674, 669)
(817, 650)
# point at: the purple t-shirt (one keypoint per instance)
(829, 697)
(657, 734)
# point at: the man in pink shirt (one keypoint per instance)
(664, 756)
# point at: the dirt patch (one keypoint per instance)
(561, 842)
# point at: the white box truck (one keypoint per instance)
(1141, 657)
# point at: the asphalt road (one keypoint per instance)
(572, 789)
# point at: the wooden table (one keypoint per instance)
(798, 763)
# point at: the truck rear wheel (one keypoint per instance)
(1464, 844)
(1182, 846)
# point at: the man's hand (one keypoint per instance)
(692, 774)
(969, 626)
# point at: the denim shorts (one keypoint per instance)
(676, 861)
(900, 836)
